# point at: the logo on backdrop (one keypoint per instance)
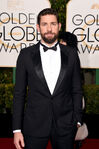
(87, 31)
(17, 31)
(84, 23)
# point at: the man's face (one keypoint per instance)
(49, 29)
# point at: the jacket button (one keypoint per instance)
(51, 98)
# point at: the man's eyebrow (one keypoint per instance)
(53, 22)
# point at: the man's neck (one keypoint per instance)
(49, 45)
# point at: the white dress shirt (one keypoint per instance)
(51, 64)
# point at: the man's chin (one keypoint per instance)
(49, 40)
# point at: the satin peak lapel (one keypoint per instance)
(64, 61)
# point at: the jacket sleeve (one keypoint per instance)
(19, 92)
(77, 89)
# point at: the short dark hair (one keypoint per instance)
(47, 11)
(69, 38)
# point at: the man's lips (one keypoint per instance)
(49, 34)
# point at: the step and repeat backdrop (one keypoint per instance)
(18, 27)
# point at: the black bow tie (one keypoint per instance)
(49, 48)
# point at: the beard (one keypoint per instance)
(49, 40)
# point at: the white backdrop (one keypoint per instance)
(83, 21)
(18, 27)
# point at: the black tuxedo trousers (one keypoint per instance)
(57, 142)
(34, 114)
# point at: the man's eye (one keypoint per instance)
(54, 23)
(44, 24)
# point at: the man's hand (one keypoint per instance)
(78, 125)
(18, 140)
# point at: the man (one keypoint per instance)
(51, 72)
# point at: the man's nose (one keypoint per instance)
(49, 28)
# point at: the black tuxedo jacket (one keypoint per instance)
(64, 106)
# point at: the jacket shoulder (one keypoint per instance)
(30, 49)
(26, 53)
(68, 50)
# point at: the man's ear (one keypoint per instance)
(59, 26)
(38, 28)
